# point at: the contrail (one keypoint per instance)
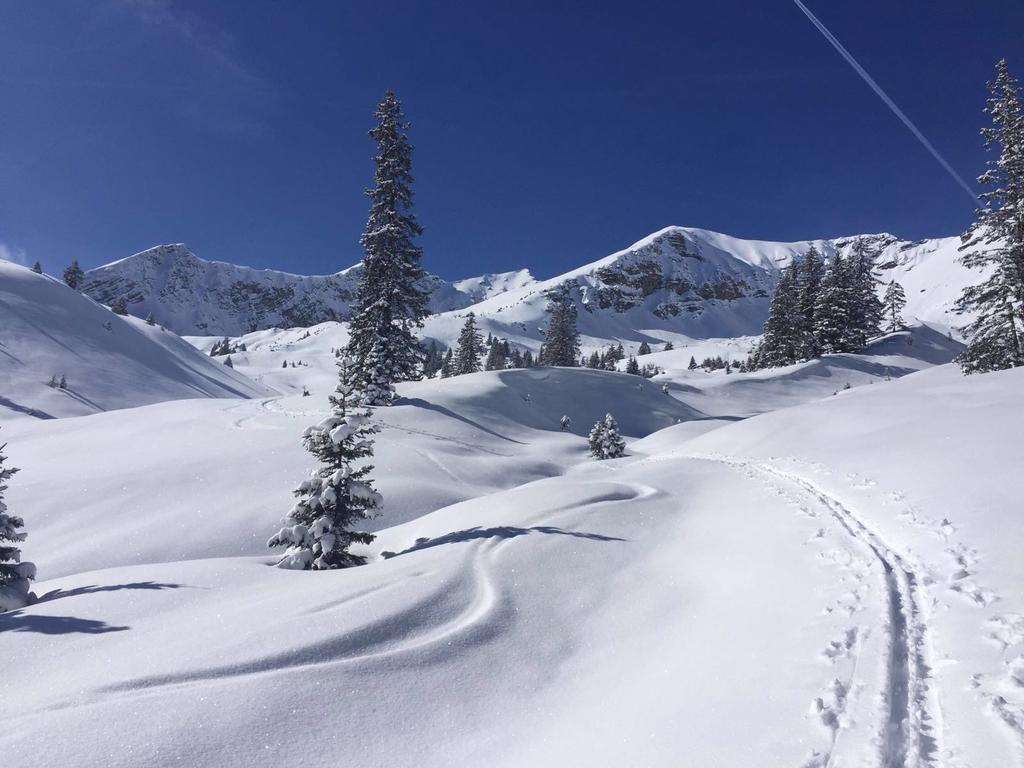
(888, 102)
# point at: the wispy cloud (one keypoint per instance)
(11, 253)
(214, 45)
(223, 93)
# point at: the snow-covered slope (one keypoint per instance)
(781, 591)
(215, 477)
(192, 296)
(47, 330)
(486, 286)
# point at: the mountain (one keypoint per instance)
(192, 296)
(677, 284)
(48, 330)
(685, 285)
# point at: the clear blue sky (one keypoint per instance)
(547, 134)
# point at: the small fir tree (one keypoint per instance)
(605, 441)
(319, 530)
(645, 349)
(37, 268)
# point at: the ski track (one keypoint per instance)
(908, 735)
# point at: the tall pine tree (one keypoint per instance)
(561, 339)
(893, 303)
(783, 336)
(811, 273)
(995, 339)
(339, 495)
(470, 348)
(15, 576)
(74, 276)
(390, 303)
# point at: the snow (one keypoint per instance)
(50, 330)
(780, 571)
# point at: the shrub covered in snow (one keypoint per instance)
(605, 440)
(318, 530)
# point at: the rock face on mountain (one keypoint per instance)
(192, 296)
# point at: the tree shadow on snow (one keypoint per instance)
(19, 621)
(57, 594)
(421, 403)
(499, 532)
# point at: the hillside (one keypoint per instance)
(108, 361)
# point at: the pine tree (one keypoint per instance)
(528, 359)
(693, 364)
(831, 310)
(496, 356)
(995, 339)
(339, 495)
(669, 346)
(865, 318)
(783, 332)
(561, 340)
(119, 306)
(892, 305)
(447, 364)
(73, 276)
(431, 360)
(645, 349)
(633, 367)
(14, 574)
(811, 272)
(605, 441)
(37, 268)
(150, 320)
(228, 363)
(470, 349)
(390, 302)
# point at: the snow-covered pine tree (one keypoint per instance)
(633, 367)
(228, 363)
(645, 349)
(37, 268)
(447, 364)
(605, 441)
(693, 364)
(470, 348)
(831, 310)
(119, 306)
(893, 303)
(390, 302)
(811, 272)
(431, 360)
(73, 275)
(783, 335)
(561, 339)
(865, 319)
(339, 495)
(15, 576)
(995, 339)
(669, 346)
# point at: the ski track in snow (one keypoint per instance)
(908, 733)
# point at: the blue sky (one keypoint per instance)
(547, 134)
